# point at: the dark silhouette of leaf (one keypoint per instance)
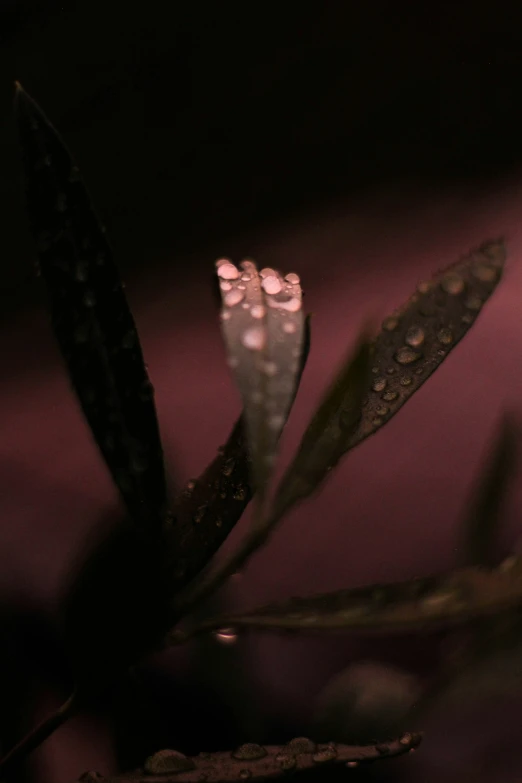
(417, 337)
(483, 511)
(453, 599)
(325, 439)
(262, 324)
(207, 510)
(91, 318)
(256, 762)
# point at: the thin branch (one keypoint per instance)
(38, 735)
(255, 762)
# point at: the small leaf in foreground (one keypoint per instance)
(91, 318)
(261, 762)
(482, 513)
(262, 323)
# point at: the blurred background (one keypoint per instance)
(361, 145)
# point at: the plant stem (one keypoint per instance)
(39, 734)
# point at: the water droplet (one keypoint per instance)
(424, 286)
(414, 336)
(289, 327)
(379, 384)
(233, 297)
(286, 761)
(81, 272)
(445, 336)
(405, 380)
(406, 739)
(375, 370)
(244, 774)
(283, 302)
(390, 324)
(276, 422)
(239, 494)
(225, 285)
(473, 303)
(89, 299)
(300, 745)
(389, 396)
(249, 752)
(406, 355)
(199, 514)
(452, 284)
(254, 338)
(467, 318)
(226, 636)
(485, 273)
(271, 284)
(228, 271)
(325, 755)
(382, 410)
(270, 368)
(438, 600)
(292, 278)
(168, 761)
(267, 271)
(228, 466)
(390, 370)
(258, 311)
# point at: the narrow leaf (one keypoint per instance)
(91, 318)
(456, 598)
(209, 507)
(268, 762)
(263, 325)
(417, 337)
(483, 512)
(324, 442)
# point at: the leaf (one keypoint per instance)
(453, 599)
(91, 318)
(482, 515)
(255, 762)
(263, 325)
(207, 510)
(325, 439)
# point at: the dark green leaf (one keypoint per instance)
(324, 442)
(91, 318)
(262, 324)
(455, 598)
(483, 512)
(207, 510)
(270, 762)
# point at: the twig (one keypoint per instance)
(38, 735)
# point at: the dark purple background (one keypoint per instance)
(359, 147)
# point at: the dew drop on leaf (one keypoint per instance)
(228, 271)
(407, 355)
(254, 339)
(414, 336)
